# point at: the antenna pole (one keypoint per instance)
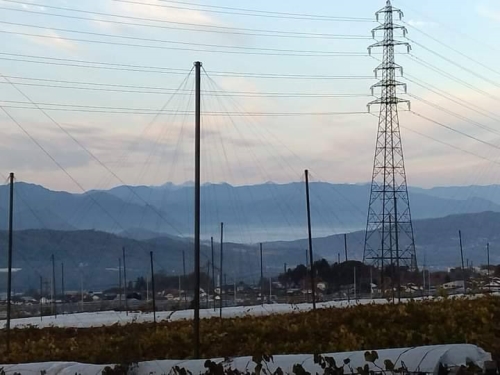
(311, 259)
(197, 163)
(9, 271)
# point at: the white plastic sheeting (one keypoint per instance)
(422, 359)
(105, 318)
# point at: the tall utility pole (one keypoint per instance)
(153, 286)
(345, 246)
(62, 286)
(309, 231)
(389, 189)
(125, 286)
(120, 292)
(488, 264)
(261, 277)
(213, 267)
(221, 267)
(54, 295)
(197, 199)
(184, 275)
(462, 256)
(9, 271)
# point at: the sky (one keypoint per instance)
(115, 81)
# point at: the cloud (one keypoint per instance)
(419, 24)
(53, 40)
(155, 9)
(488, 12)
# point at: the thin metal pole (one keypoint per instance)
(9, 272)
(462, 256)
(197, 208)
(125, 286)
(62, 287)
(261, 277)
(371, 282)
(41, 297)
(311, 259)
(488, 265)
(120, 291)
(81, 289)
(213, 268)
(184, 276)
(355, 286)
(221, 267)
(153, 286)
(54, 298)
(345, 246)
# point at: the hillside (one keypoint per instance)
(95, 254)
(255, 213)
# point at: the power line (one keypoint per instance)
(125, 110)
(251, 12)
(453, 98)
(455, 130)
(171, 41)
(109, 87)
(225, 30)
(243, 50)
(90, 153)
(452, 77)
(452, 49)
(166, 70)
(454, 114)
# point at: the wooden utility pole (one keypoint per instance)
(9, 271)
(311, 259)
(153, 286)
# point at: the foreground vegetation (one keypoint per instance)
(326, 330)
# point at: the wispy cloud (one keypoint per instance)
(487, 11)
(421, 24)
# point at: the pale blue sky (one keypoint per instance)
(242, 150)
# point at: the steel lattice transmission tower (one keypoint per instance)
(389, 231)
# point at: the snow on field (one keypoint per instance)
(106, 318)
(422, 359)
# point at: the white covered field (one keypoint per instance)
(95, 319)
(422, 359)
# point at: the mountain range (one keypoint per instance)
(92, 257)
(254, 213)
